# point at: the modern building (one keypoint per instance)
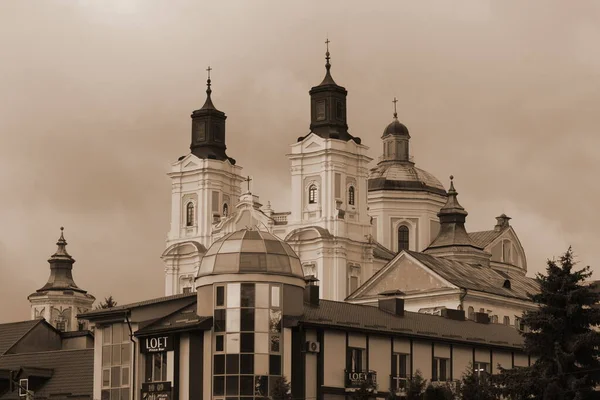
(255, 318)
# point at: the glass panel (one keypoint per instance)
(274, 365)
(106, 356)
(261, 364)
(296, 266)
(261, 343)
(253, 246)
(233, 320)
(219, 343)
(115, 377)
(220, 296)
(247, 363)
(126, 333)
(233, 343)
(252, 235)
(288, 249)
(247, 295)
(125, 376)
(105, 395)
(107, 335)
(219, 364)
(233, 295)
(261, 320)
(262, 295)
(274, 343)
(157, 367)
(232, 366)
(275, 321)
(163, 368)
(219, 323)
(116, 354)
(207, 265)
(125, 353)
(115, 394)
(236, 235)
(227, 262)
(275, 296)
(247, 385)
(219, 385)
(125, 394)
(252, 262)
(274, 247)
(260, 386)
(247, 342)
(117, 333)
(231, 246)
(247, 319)
(148, 368)
(231, 386)
(277, 263)
(214, 248)
(105, 377)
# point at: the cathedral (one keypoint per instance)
(363, 232)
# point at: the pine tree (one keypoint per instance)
(438, 392)
(281, 390)
(561, 337)
(475, 387)
(109, 302)
(415, 386)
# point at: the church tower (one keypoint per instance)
(329, 226)
(205, 187)
(60, 299)
(403, 200)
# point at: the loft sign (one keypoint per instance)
(156, 344)
(355, 379)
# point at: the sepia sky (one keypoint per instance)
(95, 99)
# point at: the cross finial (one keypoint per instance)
(327, 65)
(208, 90)
(395, 112)
(209, 69)
(247, 180)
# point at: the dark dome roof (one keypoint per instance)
(396, 128)
(404, 177)
(250, 251)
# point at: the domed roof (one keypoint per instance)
(403, 176)
(396, 128)
(250, 251)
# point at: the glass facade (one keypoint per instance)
(247, 340)
(116, 362)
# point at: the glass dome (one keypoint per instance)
(250, 251)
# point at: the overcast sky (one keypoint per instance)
(95, 99)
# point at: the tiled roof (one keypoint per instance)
(483, 238)
(479, 278)
(381, 252)
(182, 319)
(138, 304)
(73, 372)
(10, 333)
(361, 317)
(403, 176)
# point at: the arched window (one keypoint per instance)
(403, 237)
(351, 195)
(471, 312)
(506, 320)
(312, 194)
(225, 209)
(189, 220)
(494, 319)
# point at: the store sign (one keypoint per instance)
(156, 391)
(155, 344)
(357, 379)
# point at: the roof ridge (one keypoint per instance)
(4, 356)
(37, 322)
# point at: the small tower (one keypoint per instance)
(60, 299)
(205, 188)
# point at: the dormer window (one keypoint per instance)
(189, 220)
(351, 195)
(225, 210)
(403, 239)
(312, 194)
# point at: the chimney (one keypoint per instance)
(502, 222)
(311, 291)
(391, 303)
(482, 318)
(458, 315)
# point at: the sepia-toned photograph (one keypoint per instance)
(299, 200)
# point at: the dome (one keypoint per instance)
(404, 176)
(396, 128)
(250, 251)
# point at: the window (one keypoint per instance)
(506, 251)
(320, 110)
(494, 319)
(116, 362)
(471, 314)
(187, 289)
(356, 359)
(399, 371)
(189, 219)
(351, 195)
(312, 194)
(506, 320)
(353, 278)
(440, 369)
(481, 368)
(339, 110)
(225, 210)
(61, 325)
(156, 367)
(309, 269)
(403, 237)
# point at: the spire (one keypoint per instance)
(208, 129)
(61, 268)
(328, 80)
(452, 223)
(395, 111)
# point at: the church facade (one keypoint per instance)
(361, 231)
